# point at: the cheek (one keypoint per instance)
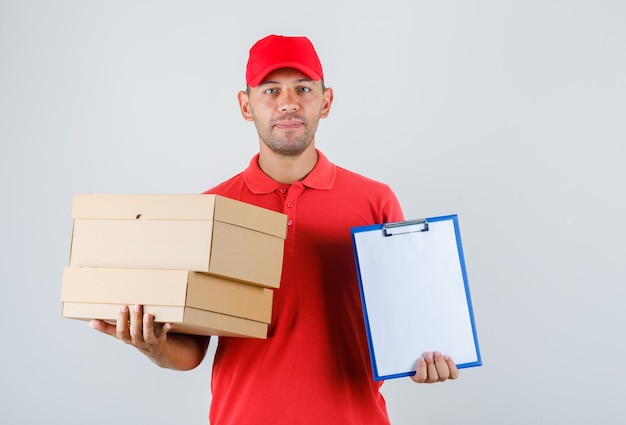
(261, 110)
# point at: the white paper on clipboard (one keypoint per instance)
(415, 294)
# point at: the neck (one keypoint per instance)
(287, 169)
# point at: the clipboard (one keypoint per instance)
(415, 294)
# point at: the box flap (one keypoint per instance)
(179, 207)
(148, 207)
(250, 216)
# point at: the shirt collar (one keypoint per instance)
(322, 176)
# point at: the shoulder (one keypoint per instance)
(228, 187)
(368, 194)
(351, 178)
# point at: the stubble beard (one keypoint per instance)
(287, 143)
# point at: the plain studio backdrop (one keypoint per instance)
(510, 114)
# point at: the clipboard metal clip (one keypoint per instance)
(409, 226)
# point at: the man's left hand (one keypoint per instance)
(435, 367)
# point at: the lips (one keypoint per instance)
(288, 125)
(289, 122)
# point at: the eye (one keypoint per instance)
(304, 89)
(271, 91)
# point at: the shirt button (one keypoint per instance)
(290, 204)
(290, 222)
(283, 190)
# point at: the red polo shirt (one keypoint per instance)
(314, 366)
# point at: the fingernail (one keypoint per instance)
(136, 308)
(123, 309)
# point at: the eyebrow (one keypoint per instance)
(299, 80)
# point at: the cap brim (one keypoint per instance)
(259, 76)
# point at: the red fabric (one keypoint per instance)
(277, 51)
(314, 367)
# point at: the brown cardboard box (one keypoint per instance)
(167, 287)
(185, 319)
(204, 233)
(195, 302)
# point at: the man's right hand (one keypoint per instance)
(172, 351)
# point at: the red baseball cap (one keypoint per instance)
(278, 51)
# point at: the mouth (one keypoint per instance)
(289, 121)
(288, 124)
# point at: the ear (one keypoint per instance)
(244, 105)
(326, 102)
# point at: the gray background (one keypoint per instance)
(508, 113)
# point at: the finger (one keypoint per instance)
(149, 334)
(153, 332)
(443, 371)
(121, 326)
(454, 371)
(136, 324)
(421, 373)
(102, 326)
(433, 376)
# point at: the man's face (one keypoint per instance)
(286, 108)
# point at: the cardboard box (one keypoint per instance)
(195, 302)
(186, 320)
(203, 233)
(167, 287)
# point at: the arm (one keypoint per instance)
(435, 367)
(171, 351)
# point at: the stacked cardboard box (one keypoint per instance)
(205, 263)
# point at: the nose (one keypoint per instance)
(288, 102)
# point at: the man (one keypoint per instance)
(314, 366)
